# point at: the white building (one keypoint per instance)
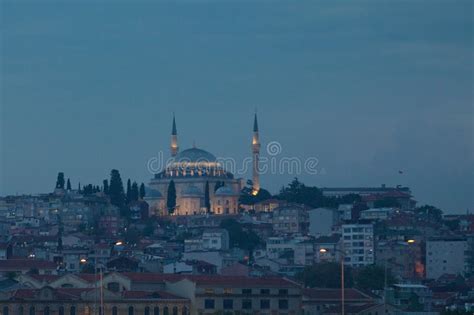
(377, 213)
(446, 256)
(358, 244)
(217, 239)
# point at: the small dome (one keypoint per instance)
(192, 191)
(194, 155)
(151, 193)
(225, 191)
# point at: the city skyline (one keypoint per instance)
(368, 89)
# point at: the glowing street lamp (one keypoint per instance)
(83, 260)
(119, 243)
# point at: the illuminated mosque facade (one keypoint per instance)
(192, 170)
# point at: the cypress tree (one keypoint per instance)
(129, 191)
(68, 186)
(79, 188)
(60, 181)
(106, 186)
(116, 193)
(142, 191)
(134, 192)
(207, 201)
(171, 197)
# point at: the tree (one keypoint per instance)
(129, 191)
(171, 197)
(207, 202)
(325, 275)
(60, 181)
(116, 193)
(372, 277)
(105, 188)
(244, 239)
(429, 213)
(68, 186)
(298, 192)
(134, 192)
(142, 191)
(79, 187)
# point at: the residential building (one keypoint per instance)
(446, 256)
(358, 244)
(290, 219)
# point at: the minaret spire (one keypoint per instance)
(174, 138)
(255, 157)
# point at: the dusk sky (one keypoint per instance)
(367, 87)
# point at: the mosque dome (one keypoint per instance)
(194, 155)
(194, 162)
(152, 193)
(191, 191)
(225, 191)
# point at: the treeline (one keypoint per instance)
(112, 187)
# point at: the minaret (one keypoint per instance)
(255, 157)
(174, 139)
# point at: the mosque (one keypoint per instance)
(192, 170)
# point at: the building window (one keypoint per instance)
(21, 310)
(32, 310)
(228, 304)
(184, 311)
(283, 304)
(227, 290)
(165, 310)
(247, 291)
(72, 310)
(209, 291)
(175, 310)
(283, 292)
(46, 310)
(147, 310)
(6, 310)
(61, 310)
(209, 304)
(264, 304)
(265, 291)
(114, 310)
(156, 310)
(246, 304)
(131, 311)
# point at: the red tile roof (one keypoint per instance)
(211, 279)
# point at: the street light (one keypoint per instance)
(83, 260)
(343, 256)
(119, 243)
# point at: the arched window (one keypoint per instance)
(184, 311)
(46, 310)
(72, 310)
(147, 310)
(156, 310)
(165, 311)
(131, 311)
(21, 310)
(61, 310)
(114, 310)
(6, 310)
(175, 310)
(32, 310)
